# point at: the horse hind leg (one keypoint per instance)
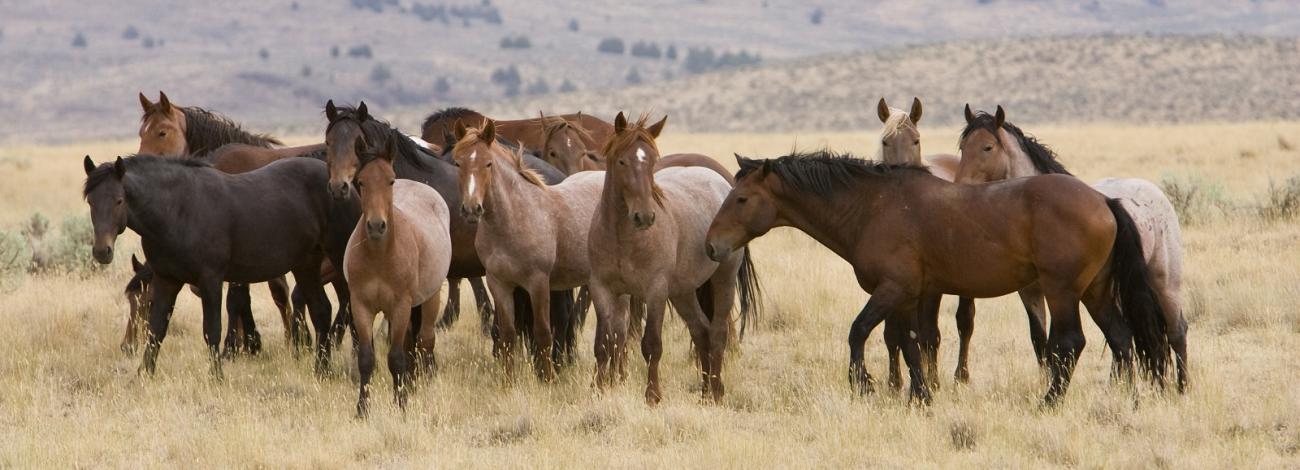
(483, 304)
(1032, 298)
(1170, 298)
(894, 335)
(279, 288)
(452, 313)
(1065, 342)
(928, 337)
(965, 329)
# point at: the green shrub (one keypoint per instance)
(1281, 201)
(1195, 199)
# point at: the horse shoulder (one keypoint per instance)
(944, 165)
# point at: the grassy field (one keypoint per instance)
(70, 398)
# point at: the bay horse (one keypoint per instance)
(414, 162)
(585, 133)
(529, 236)
(900, 144)
(646, 242)
(196, 227)
(174, 131)
(397, 258)
(993, 149)
(893, 223)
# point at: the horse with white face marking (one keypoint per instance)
(993, 149)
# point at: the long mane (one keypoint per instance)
(206, 131)
(140, 163)
(447, 115)
(1044, 158)
(824, 172)
(514, 156)
(377, 134)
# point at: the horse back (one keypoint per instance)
(697, 160)
(1155, 217)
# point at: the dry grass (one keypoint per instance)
(69, 398)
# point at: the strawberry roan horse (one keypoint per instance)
(646, 242)
(892, 223)
(396, 260)
(993, 149)
(202, 227)
(529, 235)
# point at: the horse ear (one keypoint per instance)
(390, 150)
(767, 166)
(145, 103)
(89, 165)
(916, 110)
(882, 110)
(136, 265)
(579, 118)
(489, 133)
(459, 130)
(331, 112)
(658, 127)
(119, 168)
(448, 138)
(1000, 118)
(744, 163)
(970, 117)
(620, 123)
(164, 103)
(362, 113)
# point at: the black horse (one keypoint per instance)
(203, 227)
(417, 163)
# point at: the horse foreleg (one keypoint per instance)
(928, 337)
(428, 335)
(210, 293)
(308, 278)
(363, 319)
(965, 328)
(160, 316)
(894, 335)
(237, 299)
(609, 311)
(506, 336)
(652, 348)
(876, 309)
(539, 293)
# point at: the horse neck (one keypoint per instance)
(1019, 164)
(158, 206)
(511, 199)
(835, 222)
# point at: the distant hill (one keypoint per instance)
(70, 69)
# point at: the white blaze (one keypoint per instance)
(472, 155)
(640, 155)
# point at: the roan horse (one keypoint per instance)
(529, 236)
(196, 228)
(900, 144)
(175, 131)
(646, 242)
(396, 259)
(993, 149)
(892, 223)
(348, 124)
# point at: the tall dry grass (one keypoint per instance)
(68, 397)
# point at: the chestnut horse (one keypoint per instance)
(893, 223)
(993, 149)
(567, 141)
(647, 243)
(138, 298)
(900, 144)
(196, 227)
(529, 236)
(397, 258)
(348, 124)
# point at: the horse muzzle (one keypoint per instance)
(716, 251)
(375, 229)
(340, 191)
(104, 254)
(643, 220)
(472, 213)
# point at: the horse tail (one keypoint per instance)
(750, 292)
(1135, 295)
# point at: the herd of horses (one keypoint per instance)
(563, 213)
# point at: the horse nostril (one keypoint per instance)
(708, 250)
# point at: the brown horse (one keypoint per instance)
(993, 150)
(138, 297)
(647, 243)
(894, 224)
(900, 144)
(532, 134)
(529, 235)
(173, 131)
(397, 259)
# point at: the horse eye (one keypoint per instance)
(162, 134)
(119, 201)
(489, 165)
(916, 142)
(741, 199)
(622, 162)
(390, 182)
(988, 148)
(884, 143)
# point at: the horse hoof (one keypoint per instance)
(653, 397)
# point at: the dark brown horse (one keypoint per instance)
(893, 223)
(202, 227)
(532, 134)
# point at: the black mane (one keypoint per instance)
(377, 133)
(447, 114)
(823, 172)
(139, 162)
(206, 131)
(1044, 158)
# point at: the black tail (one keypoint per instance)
(564, 325)
(1134, 295)
(750, 292)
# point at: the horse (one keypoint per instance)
(993, 149)
(138, 298)
(584, 133)
(196, 228)
(529, 236)
(894, 225)
(347, 124)
(646, 242)
(397, 257)
(900, 144)
(174, 131)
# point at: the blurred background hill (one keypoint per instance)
(70, 70)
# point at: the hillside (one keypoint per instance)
(72, 69)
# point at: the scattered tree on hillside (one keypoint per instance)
(647, 50)
(334, 51)
(508, 78)
(442, 86)
(360, 52)
(567, 87)
(263, 53)
(633, 77)
(671, 53)
(380, 74)
(306, 71)
(611, 46)
(573, 24)
(130, 33)
(539, 87)
(293, 6)
(816, 16)
(147, 42)
(518, 42)
(79, 41)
